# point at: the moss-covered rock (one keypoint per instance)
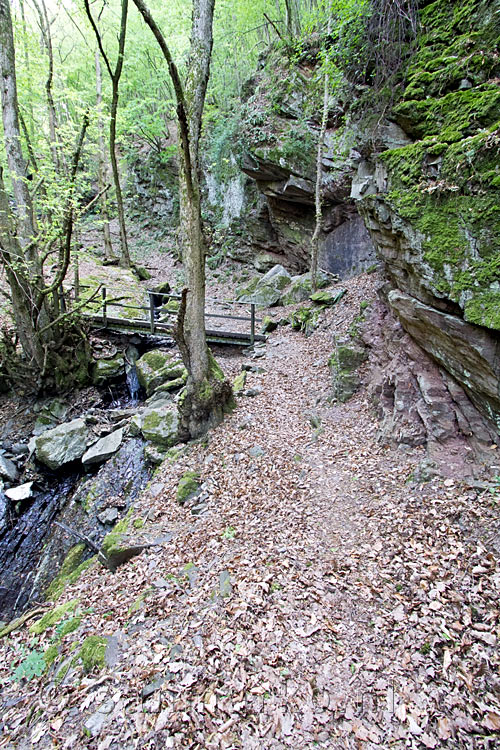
(239, 383)
(92, 653)
(343, 363)
(70, 571)
(108, 368)
(188, 486)
(160, 426)
(62, 444)
(265, 291)
(158, 367)
(328, 299)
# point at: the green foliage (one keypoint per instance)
(33, 665)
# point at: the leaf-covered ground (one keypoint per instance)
(321, 599)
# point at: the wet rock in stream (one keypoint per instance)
(33, 549)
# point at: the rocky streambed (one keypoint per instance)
(67, 483)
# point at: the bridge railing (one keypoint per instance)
(157, 300)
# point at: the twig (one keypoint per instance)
(70, 312)
(15, 624)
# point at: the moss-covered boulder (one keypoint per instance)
(327, 298)
(300, 288)
(108, 368)
(158, 367)
(343, 363)
(63, 444)
(159, 425)
(266, 290)
(188, 486)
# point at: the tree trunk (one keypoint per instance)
(115, 76)
(319, 158)
(103, 170)
(207, 392)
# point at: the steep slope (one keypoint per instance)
(410, 175)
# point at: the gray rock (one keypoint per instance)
(110, 515)
(158, 367)
(266, 291)
(160, 426)
(8, 469)
(23, 492)
(225, 586)
(252, 392)
(63, 444)
(154, 455)
(256, 451)
(103, 449)
(95, 723)
(108, 369)
(114, 649)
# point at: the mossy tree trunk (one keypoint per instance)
(207, 392)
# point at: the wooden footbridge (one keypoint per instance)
(154, 319)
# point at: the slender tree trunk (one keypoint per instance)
(206, 390)
(115, 76)
(319, 159)
(102, 171)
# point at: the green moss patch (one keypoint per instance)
(53, 616)
(92, 653)
(70, 571)
(188, 486)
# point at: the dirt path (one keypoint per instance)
(322, 599)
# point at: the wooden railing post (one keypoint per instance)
(152, 324)
(252, 324)
(104, 308)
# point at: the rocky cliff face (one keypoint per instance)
(410, 176)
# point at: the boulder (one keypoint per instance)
(327, 298)
(23, 492)
(158, 425)
(266, 291)
(8, 469)
(301, 287)
(103, 449)
(343, 363)
(107, 369)
(158, 367)
(50, 415)
(63, 444)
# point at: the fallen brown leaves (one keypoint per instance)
(322, 600)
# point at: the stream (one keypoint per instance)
(33, 547)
